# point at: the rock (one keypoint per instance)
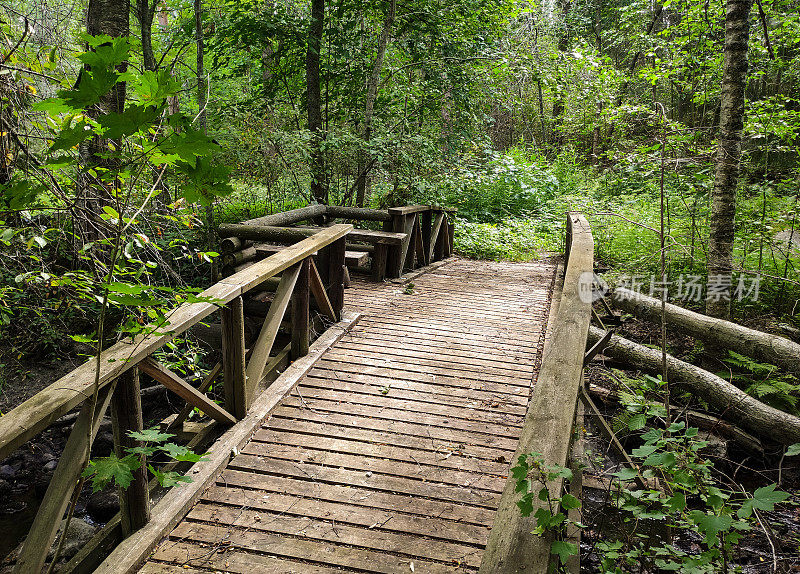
(78, 534)
(50, 466)
(7, 472)
(5, 488)
(103, 444)
(103, 505)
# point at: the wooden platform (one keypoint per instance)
(391, 454)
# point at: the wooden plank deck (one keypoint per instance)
(391, 454)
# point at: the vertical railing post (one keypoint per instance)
(427, 229)
(396, 256)
(126, 416)
(451, 236)
(237, 400)
(300, 313)
(440, 247)
(336, 271)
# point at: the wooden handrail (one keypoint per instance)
(551, 412)
(34, 415)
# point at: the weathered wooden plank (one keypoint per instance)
(356, 258)
(126, 417)
(380, 450)
(490, 483)
(404, 485)
(408, 209)
(237, 400)
(48, 518)
(433, 519)
(269, 330)
(445, 382)
(185, 391)
(302, 549)
(341, 533)
(448, 435)
(319, 292)
(473, 518)
(478, 430)
(474, 399)
(406, 436)
(173, 507)
(395, 402)
(209, 558)
(300, 312)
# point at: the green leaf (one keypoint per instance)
(677, 503)
(110, 468)
(710, 524)
(637, 421)
(132, 120)
(150, 435)
(170, 478)
(764, 498)
(626, 474)
(569, 502)
(793, 450)
(564, 550)
(107, 54)
(181, 453)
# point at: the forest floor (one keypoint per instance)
(734, 467)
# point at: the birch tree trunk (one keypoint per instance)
(731, 121)
(362, 193)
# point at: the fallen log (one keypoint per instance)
(732, 403)
(289, 217)
(765, 347)
(340, 212)
(237, 257)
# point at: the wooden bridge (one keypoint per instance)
(382, 446)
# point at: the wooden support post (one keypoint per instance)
(451, 237)
(319, 292)
(434, 239)
(336, 270)
(126, 416)
(440, 245)
(185, 391)
(266, 338)
(379, 257)
(401, 223)
(300, 313)
(427, 228)
(237, 401)
(419, 247)
(70, 465)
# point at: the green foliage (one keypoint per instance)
(119, 471)
(764, 381)
(690, 501)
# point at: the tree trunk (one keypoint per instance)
(109, 17)
(765, 347)
(731, 121)
(314, 101)
(372, 93)
(145, 12)
(732, 403)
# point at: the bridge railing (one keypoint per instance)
(549, 421)
(113, 379)
(412, 236)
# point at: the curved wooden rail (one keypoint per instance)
(512, 548)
